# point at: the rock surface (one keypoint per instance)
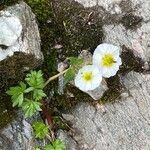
(19, 32)
(17, 136)
(125, 123)
(10, 30)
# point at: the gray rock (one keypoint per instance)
(17, 136)
(137, 40)
(22, 35)
(115, 33)
(10, 30)
(124, 124)
(69, 142)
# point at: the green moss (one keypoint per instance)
(5, 3)
(113, 92)
(130, 62)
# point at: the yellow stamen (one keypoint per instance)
(87, 76)
(108, 60)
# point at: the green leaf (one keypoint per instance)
(29, 89)
(56, 145)
(49, 147)
(17, 94)
(38, 94)
(69, 75)
(35, 79)
(30, 107)
(40, 129)
(37, 148)
(75, 61)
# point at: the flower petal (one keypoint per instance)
(108, 72)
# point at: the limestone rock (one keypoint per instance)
(69, 142)
(19, 32)
(17, 136)
(10, 30)
(124, 124)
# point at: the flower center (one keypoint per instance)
(87, 76)
(108, 60)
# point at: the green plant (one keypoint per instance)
(29, 95)
(55, 145)
(40, 129)
(75, 64)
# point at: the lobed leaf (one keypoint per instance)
(30, 107)
(40, 129)
(38, 94)
(56, 145)
(35, 79)
(17, 94)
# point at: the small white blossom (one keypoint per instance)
(106, 57)
(88, 78)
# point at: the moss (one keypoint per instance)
(130, 62)
(12, 71)
(114, 90)
(131, 21)
(5, 3)
(69, 99)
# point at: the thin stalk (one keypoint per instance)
(54, 77)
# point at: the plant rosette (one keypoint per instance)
(88, 78)
(106, 57)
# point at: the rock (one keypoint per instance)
(19, 32)
(17, 136)
(69, 142)
(19, 43)
(20, 51)
(68, 117)
(10, 30)
(137, 40)
(123, 124)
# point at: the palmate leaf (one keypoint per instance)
(38, 94)
(35, 79)
(17, 94)
(30, 107)
(56, 145)
(40, 129)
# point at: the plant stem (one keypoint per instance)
(55, 76)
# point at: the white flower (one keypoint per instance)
(106, 57)
(88, 78)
